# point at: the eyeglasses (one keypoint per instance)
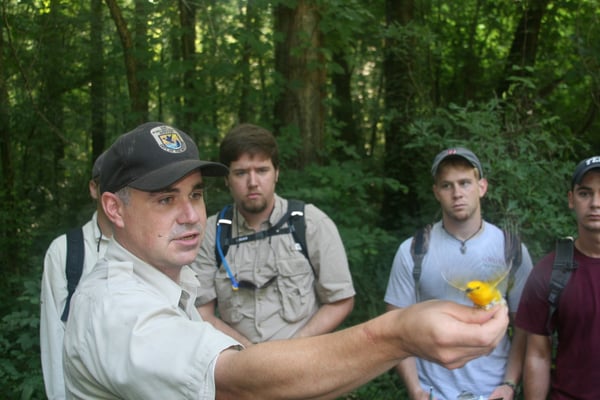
(251, 285)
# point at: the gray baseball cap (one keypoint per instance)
(456, 152)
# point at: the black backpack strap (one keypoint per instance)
(418, 248)
(74, 267)
(297, 224)
(562, 267)
(294, 218)
(513, 255)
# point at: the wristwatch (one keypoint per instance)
(512, 385)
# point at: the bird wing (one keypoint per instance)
(460, 282)
(496, 281)
(462, 287)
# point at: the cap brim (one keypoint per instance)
(169, 174)
(580, 174)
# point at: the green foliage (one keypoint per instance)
(20, 365)
(529, 140)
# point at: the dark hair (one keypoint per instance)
(248, 139)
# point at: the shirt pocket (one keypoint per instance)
(296, 292)
(229, 301)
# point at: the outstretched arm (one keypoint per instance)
(407, 370)
(324, 367)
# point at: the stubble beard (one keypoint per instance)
(254, 207)
(462, 216)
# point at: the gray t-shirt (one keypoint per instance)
(483, 259)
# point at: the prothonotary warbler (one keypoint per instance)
(484, 294)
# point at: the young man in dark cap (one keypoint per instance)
(576, 319)
(462, 247)
(134, 332)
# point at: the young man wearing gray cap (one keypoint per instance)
(134, 332)
(462, 247)
(54, 296)
(576, 319)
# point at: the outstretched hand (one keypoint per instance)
(451, 334)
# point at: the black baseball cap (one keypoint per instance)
(97, 167)
(583, 168)
(152, 157)
(456, 152)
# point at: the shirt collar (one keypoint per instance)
(120, 258)
(97, 232)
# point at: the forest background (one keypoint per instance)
(361, 94)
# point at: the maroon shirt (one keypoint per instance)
(577, 322)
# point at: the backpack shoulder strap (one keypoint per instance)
(562, 267)
(513, 255)
(297, 224)
(74, 266)
(223, 234)
(418, 248)
(294, 217)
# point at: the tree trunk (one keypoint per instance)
(343, 110)
(245, 111)
(8, 173)
(299, 61)
(50, 98)
(187, 17)
(9, 220)
(470, 70)
(524, 46)
(142, 58)
(98, 82)
(398, 65)
(133, 85)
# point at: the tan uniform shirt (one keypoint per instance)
(284, 306)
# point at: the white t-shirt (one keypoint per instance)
(53, 298)
(444, 260)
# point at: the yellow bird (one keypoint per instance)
(484, 294)
(482, 280)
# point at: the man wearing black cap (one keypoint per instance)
(577, 318)
(135, 333)
(462, 248)
(54, 297)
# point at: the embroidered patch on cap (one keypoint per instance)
(168, 139)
